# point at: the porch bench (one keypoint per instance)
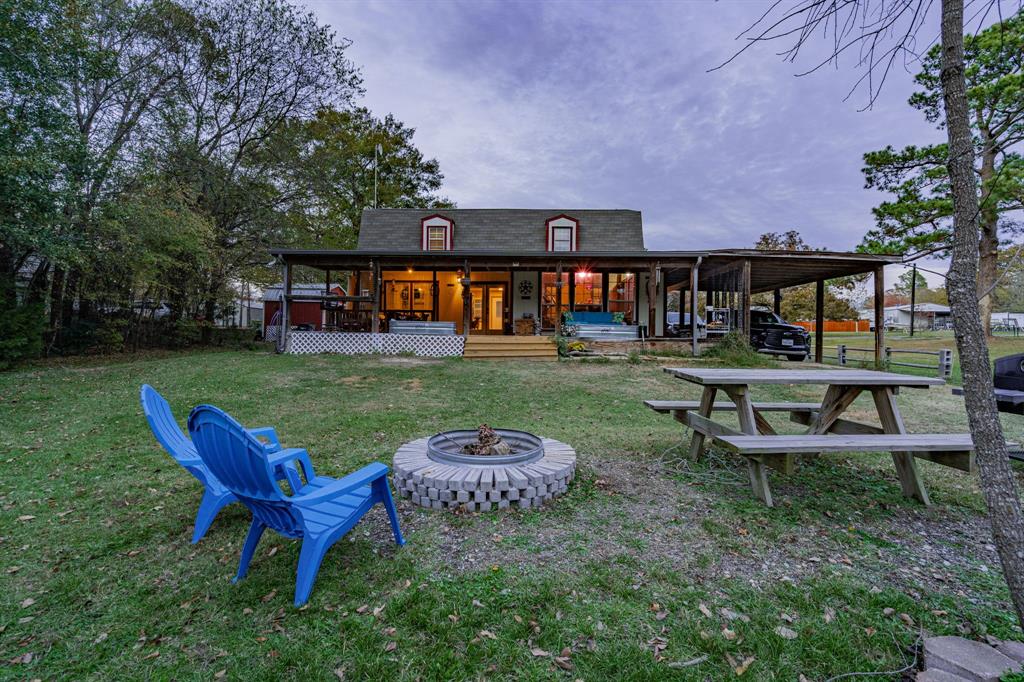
(954, 450)
(606, 332)
(423, 328)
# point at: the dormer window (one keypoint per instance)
(437, 233)
(562, 233)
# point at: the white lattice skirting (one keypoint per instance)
(355, 343)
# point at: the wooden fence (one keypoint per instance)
(943, 366)
(839, 325)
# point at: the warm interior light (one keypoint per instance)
(409, 268)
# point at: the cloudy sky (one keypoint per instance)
(592, 105)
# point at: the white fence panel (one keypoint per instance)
(355, 343)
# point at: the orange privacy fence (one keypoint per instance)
(839, 325)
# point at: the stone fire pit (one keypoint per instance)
(437, 472)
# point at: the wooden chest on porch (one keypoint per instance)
(525, 327)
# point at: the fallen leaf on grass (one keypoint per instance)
(729, 614)
(220, 673)
(246, 611)
(453, 617)
(273, 551)
(27, 603)
(785, 633)
(390, 646)
(488, 634)
(339, 673)
(377, 611)
(26, 517)
(705, 610)
(268, 596)
(477, 603)
(155, 654)
(563, 663)
(742, 667)
(591, 644)
(389, 632)
(905, 617)
(517, 618)
(363, 609)
(661, 615)
(830, 615)
(539, 653)
(687, 664)
(728, 634)
(102, 636)
(888, 611)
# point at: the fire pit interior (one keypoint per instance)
(499, 446)
(483, 469)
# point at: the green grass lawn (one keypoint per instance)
(650, 561)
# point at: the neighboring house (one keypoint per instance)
(484, 269)
(311, 313)
(926, 316)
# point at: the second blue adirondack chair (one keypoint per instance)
(177, 444)
(320, 512)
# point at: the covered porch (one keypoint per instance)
(513, 294)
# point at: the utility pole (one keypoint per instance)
(913, 297)
(377, 151)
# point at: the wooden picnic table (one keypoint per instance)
(827, 430)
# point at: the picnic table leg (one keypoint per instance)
(707, 403)
(749, 425)
(906, 465)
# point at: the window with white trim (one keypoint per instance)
(437, 233)
(561, 238)
(436, 237)
(562, 233)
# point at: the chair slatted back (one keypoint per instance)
(165, 428)
(239, 461)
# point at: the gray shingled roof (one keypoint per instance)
(517, 229)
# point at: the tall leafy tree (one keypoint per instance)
(329, 167)
(918, 219)
(881, 33)
(253, 67)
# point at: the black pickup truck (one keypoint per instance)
(772, 335)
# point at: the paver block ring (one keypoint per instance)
(486, 486)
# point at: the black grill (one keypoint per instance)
(1009, 383)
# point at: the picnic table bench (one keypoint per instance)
(827, 431)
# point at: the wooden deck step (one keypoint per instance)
(665, 406)
(510, 347)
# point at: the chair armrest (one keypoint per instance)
(283, 460)
(342, 486)
(269, 433)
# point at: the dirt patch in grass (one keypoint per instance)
(650, 512)
(407, 361)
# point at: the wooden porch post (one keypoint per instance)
(745, 297)
(694, 272)
(879, 313)
(777, 302)
(819, 320)
(558, 299)
(286, 313)
(467, 300)
(375, 320)
(652, 299)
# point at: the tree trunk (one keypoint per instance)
(997, 483)
(988, 244)
(56, 306)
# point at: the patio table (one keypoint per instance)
(758, 441)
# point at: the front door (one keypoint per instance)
(489, 308)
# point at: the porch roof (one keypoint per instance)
(768, 269)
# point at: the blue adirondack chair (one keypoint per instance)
(177, 444)
(319, 512)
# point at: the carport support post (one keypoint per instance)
(694, 271)
(745, 297)
(879, 313)
(286, 313)
(777, 302)
(652, 299)
(819, 320)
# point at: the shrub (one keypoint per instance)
(734, 349)
(21, 333)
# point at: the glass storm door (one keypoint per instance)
(488, 308)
